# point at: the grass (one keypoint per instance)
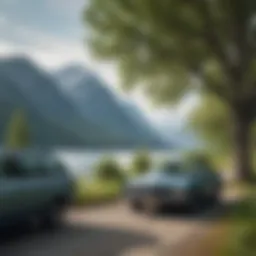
(235, 236)
(242, 227)
(96, 191)
(242, 234)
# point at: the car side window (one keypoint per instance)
(12, 168)
(2, 174)
(35, 168)
(55, 169)
(172, 168)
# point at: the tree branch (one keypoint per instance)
(214, 42)
(210, 31)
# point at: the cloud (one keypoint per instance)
(67, 5)
(49, 50)
(54, 39)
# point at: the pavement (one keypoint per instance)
(113, 230)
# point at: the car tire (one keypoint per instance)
(151, 207)
(54, 218)
(196, 203)
(136, 205)
(214, 199)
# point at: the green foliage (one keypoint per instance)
(141, 163)
(243, 233)
(200, 159)
(161, 43)
(161, 46)
(109, 169)
(245, 210)
(211, 120)
(17, 136)
(95, 192)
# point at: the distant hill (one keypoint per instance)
(137, 116)
(98, 104)
(180, 136)
(14, 94)
(89, 115)
(53, 118)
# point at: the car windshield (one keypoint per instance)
(173, 168)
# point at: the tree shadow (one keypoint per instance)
(204, 213)
(73, 240)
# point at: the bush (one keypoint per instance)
(95, 192)
(109, 169)
(141, 163)
(243, 231)
(18, 134)
(199, 159)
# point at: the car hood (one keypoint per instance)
(163, 180)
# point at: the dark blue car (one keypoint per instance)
(174, 184)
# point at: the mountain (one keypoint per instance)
(70, 76)
(43, 131)
(137, 116)
(53, 118)
(180, 136)
(98, 104)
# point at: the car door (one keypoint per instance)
(207, 182)
(38, 180)
(4, 202)
(13, 190)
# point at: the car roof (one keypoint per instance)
(25, 153)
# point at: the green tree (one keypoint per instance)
(214, 124)
(109, 169)
(162, 46)
(141, 162)
(199, 159)
(17, 136)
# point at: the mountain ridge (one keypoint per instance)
(92, 92)
(101, 122)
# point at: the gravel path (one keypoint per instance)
(112, 230)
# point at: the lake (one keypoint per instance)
(82, 162)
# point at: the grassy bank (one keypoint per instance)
(232, 236)
(242, 232)
(96, 191)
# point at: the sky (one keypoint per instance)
(51, 33)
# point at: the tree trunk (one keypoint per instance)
(242, 147)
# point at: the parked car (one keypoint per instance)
(34, 188)
(174, 184)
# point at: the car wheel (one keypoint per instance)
(151, 206)
(54, 217)
(34, 222)
(196, 204)
(136, 205)
(214, 199)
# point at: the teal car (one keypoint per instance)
(174, 184)
(34, 188)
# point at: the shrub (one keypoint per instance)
(95, 191)
(18, 134)
(199, 159)
(243, 231)
(141, 163)
(109, 169)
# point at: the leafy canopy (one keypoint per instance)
(212, 120)
(163, 45)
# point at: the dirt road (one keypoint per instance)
(110, 231)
